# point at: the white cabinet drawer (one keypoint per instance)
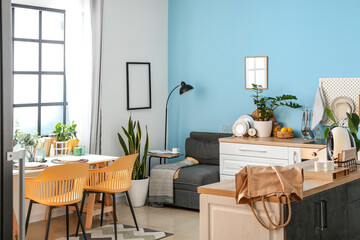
(230, 164)
(263, 151)
(227, 177)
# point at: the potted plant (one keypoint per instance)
(64, 133)
(139, 182)
(265, 107)
(27, 141)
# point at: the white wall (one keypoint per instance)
(134, 30)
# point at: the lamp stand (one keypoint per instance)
(166, 115)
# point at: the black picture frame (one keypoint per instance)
(146, 84)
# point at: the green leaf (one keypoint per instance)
(326, 132)
(330, 115)
(130, 141)
(353, 122)
(351, 125)
(357, 143)
(123, 144)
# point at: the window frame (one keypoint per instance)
(41, 73)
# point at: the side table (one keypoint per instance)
(163, 156)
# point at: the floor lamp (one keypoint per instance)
(184, 88)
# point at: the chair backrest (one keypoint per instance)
(60, 185)
(115, 178)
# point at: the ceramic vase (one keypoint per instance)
(139, 191)
(263, 128)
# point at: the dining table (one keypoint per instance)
(91, 208)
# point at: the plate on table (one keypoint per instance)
(69, 160)
(29, 164)
(342, 105)
(32, 165)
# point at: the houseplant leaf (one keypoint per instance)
(123, 144)
(330, 115)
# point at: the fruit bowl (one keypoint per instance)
(285, 134)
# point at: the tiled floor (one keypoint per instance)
(183, 223)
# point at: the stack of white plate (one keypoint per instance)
(242, 125)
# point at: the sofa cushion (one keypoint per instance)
(202, 151)
(208, 136)
(204, 147)
(192, 177)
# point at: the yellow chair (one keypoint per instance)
(57, 186)
(111, 180)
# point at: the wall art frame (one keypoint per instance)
(138, 85)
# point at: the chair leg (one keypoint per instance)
(132, 209)
(102, 209)
(81, 212)
(28, 216)
(67, 223)
(114, 215)
(80, 220)
(48, 224)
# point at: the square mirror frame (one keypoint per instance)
(254, 79)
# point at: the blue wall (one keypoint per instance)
(208, 40)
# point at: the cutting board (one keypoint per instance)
(326, 175)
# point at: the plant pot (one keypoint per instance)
(60, 147)
(139, 191)
(263, 128)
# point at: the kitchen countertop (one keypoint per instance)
(310, 187)
(272, 141)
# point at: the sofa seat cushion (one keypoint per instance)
(192, 177)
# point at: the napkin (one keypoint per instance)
(319, 107)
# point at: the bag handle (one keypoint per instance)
(278, 225)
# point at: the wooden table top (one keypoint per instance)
(310, 186)
(273, 141)
(165, 155)
(93, 159)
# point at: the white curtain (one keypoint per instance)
(96, 7)
(83, 69)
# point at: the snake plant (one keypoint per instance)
(133, 134)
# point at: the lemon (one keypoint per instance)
(290, 130)
(283, 129)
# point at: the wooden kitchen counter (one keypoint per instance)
(222, 218)
(273, 141)
(311, 186)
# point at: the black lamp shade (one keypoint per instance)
(185, 88)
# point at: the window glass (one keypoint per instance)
(26, 23)
(52, 88)
(26, 56)
(26, 118)
(38, 39)
(50, 116)
(52, 57)
(26, 88)
(53, 26)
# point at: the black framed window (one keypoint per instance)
(38, 68)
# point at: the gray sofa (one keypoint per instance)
(204, 147)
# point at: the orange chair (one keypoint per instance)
(57, 186)
(111, 180)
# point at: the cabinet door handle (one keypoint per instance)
(294, 157)
(323, 215)
(252, 150)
